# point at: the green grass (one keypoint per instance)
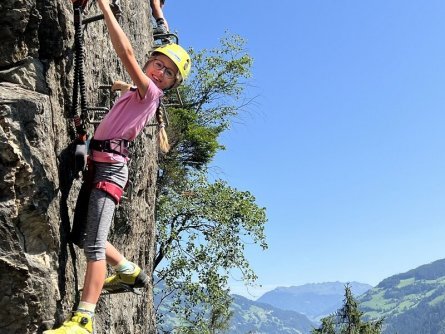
(406, 305)
(437, 300)
(405, 282)
(378, 301)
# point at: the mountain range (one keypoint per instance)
(255, 317)
(410, 303)
(289, 310)
(314, 300)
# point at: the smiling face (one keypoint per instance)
(162, 71)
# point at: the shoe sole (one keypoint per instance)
(141, 280)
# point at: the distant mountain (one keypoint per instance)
(314, 300)
(254, 317)
(248, 317)
(412, 302)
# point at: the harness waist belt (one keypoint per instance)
(116, 146)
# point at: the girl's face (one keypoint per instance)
(162, 71)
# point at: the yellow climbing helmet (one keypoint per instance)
(179, 56)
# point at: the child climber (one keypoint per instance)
(166, 68)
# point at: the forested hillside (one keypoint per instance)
(411, 302)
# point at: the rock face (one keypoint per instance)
(40, 271)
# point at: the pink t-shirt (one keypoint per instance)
(126, 120)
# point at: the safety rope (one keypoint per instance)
(80, 155)
(79, 75)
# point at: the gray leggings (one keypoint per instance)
(101, 209)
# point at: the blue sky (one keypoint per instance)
(345, 143)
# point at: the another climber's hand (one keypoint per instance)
(166, 24)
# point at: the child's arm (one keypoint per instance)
(123, 48)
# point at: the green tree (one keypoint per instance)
(348, 319)
(202, 234)
(211, 98)
(216, 322)
(203, 226)
(219, 320)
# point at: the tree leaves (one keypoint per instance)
(203, 226)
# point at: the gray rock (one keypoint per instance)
(40, 271)
(29, 74)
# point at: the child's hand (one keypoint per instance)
(120, 85)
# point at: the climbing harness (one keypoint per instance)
(115, 146)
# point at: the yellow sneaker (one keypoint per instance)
(80, 323)
(127, 282)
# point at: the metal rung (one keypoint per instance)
(93, 18)
(96, 114)
(165, 39)
(171, 101)
(115, 7)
